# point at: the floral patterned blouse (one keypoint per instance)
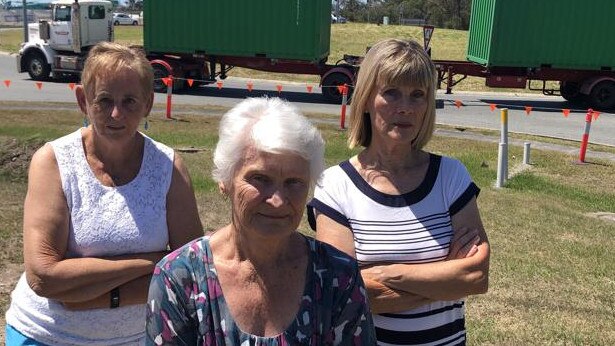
(186, 305)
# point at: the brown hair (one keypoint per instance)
(392, 62)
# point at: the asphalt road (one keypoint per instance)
(545, 119)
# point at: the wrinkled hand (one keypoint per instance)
(464, 243)
(373, 272)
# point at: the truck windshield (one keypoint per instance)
(62, 13)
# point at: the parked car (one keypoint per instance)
(124, 19)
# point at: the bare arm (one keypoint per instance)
(132, 292)
(46, 227)
(183, 219)
(382, 299)
(446, 280)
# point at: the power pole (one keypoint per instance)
(25, 22)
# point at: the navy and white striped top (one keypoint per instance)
(414, 227)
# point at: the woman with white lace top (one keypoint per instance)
(104, 205)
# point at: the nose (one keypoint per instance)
(406, 105)
(277, 198)
(117, 111)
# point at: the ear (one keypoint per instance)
(81, 99)
(222, 188)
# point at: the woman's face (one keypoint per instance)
(269, 193)
(117, 104)
(397, 113)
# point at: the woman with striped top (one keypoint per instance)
(409, 217)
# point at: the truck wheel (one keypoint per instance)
(330, 84)
(116, 23)
(570, 91)
(602, 95)
(135, 23)
(37, 67)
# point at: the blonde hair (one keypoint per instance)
(107, 58)
(392, 62)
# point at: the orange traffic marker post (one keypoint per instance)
(585, 138)
(344, 89)
(169, 83)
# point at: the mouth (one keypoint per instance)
(115, 127)
(403, 125)
(274, 217)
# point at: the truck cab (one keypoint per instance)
(59, 46)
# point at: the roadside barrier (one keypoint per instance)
(591, 114)
(168, 81)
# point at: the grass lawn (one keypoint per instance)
(446, 45)
(552, 268)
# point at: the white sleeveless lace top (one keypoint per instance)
(104, 221)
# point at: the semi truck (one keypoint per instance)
(59, 46)
(515, 42)
(196, 40)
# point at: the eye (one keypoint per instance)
(259, 178)
(130, 102)
(418, 93)
(103, 102)
(295, 182)
(391, 93)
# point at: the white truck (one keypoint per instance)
(58, 47)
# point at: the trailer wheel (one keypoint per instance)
(161, 71)
(571, 91)
(330, 84)
(602, 95)
(37, 66)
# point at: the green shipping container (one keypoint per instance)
(568, 34)
(278, 29)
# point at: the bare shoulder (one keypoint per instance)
(43, 159)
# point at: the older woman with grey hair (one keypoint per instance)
(257, 281)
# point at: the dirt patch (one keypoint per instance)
(15, 156)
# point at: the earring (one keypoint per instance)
(146, 124)
(85, 122)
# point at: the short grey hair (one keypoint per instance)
(270, 125)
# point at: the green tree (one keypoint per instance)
(353, 10)
(454, 14)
